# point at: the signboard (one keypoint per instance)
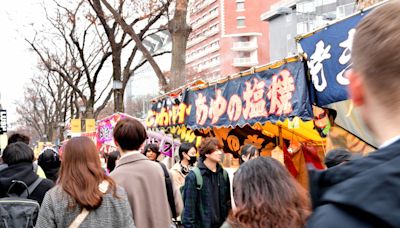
(328, 54)
(3, 121)
(104, 133)
(167, 112)
(271, 95)
(90, 125)
(76, 125)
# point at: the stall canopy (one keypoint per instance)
(273, 99)
(268, 107)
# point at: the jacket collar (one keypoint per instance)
(204, 169)
(20, 171)
(370, 174)
(130, 159)
(343, 172)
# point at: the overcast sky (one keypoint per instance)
(18, 63)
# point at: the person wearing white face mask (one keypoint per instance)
(187, 156)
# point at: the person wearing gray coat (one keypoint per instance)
(84, 195)
(111, 213)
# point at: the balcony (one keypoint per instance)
(203, 5)
(208, 65)
(209, 49)
(244, 62)
(199, 39)
(244, 46)
(196, 41)
(213, 48)
(197, 24)
(212, 32)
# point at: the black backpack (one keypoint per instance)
(19, 211)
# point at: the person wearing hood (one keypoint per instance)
(210, 205)
(19, 157)
(50, 162)
(17, 137)
(365, 192)
(187, 155)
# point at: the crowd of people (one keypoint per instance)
(136, 190)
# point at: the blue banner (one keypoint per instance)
(270, 95)
(328, 53)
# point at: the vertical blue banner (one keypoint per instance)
(328, 54)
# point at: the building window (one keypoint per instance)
(239, 6)
(240, 22)
(345, 10)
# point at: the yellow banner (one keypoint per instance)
(76, 125)
(90, 125)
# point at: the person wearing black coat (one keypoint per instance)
(359, 193)
(365, 192)
(19, 156)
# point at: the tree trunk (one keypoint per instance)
(89, 113)
(179, 30)
(118, 95)
(118, 100)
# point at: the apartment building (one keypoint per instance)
(228, 37)
(289, 18)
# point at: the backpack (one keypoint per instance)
(199, 184)
(19, 211)
(199, 177)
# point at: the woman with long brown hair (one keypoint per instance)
(84, 194)
(267, 196)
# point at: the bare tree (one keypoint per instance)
(137, 106)
(75, 51)
(84, 43)
(44, 107)
(117, 39)
(179, 31)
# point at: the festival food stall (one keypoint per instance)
(268, 107)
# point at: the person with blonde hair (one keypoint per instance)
(84, 196)
(364, 192)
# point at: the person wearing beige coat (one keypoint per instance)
(187, 159)
(144, 183)
(142, 179)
